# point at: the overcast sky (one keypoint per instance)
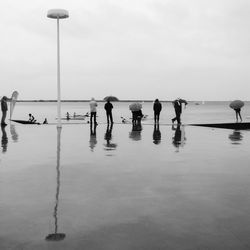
(133, 49)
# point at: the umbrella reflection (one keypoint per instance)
(13, 132)
(179, 136)
(157, 134)
(135, 134)
(108, 137)
(57, 236)
(236, 137)
(4, 140)
(92, 139)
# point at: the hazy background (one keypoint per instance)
(133, 49)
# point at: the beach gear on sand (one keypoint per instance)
(236, 104)
(135, 106)
(13, 102)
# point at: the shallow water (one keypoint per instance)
(149, 188)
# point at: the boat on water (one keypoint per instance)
(26, 122)
(234, 125)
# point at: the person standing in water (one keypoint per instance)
(4, 108)
(108, 107)
(238, 114)
(93, 105)
(157, 110)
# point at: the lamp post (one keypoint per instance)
(58, 14)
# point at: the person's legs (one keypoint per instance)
(95, 117)
(111, 117)
(4, 113)
(178, 118)
(91, 116)
(158, 117)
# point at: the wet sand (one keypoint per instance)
(163, 188)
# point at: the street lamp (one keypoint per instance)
(58, 14)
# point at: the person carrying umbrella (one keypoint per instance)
(236, 105)
(108, 107)
(178, 109)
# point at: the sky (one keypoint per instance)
(132, 49)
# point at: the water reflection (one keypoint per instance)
(157, 134)
(13, 133)
(4, 141)
(135, 134)
(92, 139)
(108, 137)
(236, 137)
(179, 136)
(57, 236)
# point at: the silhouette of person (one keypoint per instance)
(156, 134)
(178, 110)
(4, 108)
(136, 117)
(157, 110)
(45, 121)
(4, 139)
(32, 118)
(238, 114)
(108, 107)
(92, 139)
(93, 109)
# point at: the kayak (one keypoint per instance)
(235, 125)
(26, 122)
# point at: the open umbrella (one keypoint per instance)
(135, 106)
(236, 104)
(111, 98)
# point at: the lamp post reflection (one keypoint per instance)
(57, 236)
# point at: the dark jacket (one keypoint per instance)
(157, 107)
(108, 107)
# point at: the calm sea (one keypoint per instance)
(120, 188)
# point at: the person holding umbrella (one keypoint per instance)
(178, 109)
(236, 105)
(136, 112)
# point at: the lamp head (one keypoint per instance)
(58, 14)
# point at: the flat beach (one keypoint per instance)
(124, 189)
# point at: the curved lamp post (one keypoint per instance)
(58, 14)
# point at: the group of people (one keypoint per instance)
(136, 115)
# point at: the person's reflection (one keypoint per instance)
(108, 137)
(92, 139)
(4, 139)
(179, 136)
(236, 137)
(13, 132)
(135, 134)
(157, 134)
